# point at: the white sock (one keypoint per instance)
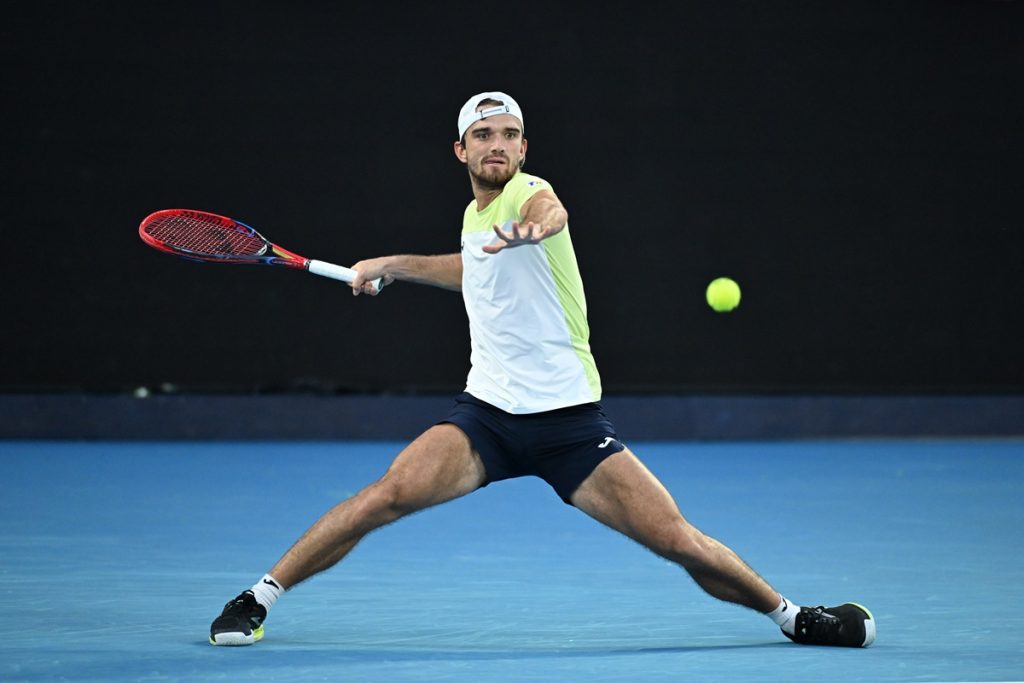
(785, 615)
(267, 590)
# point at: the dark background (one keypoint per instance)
(855, 166)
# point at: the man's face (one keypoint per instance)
(494, 149)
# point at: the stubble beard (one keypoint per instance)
(493, 181)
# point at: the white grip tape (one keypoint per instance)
(338, 272)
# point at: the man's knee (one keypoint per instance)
(385, 501)
(682, 543)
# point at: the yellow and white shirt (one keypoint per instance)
(527, 312)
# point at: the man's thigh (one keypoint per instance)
(438, 466)
(624, 495)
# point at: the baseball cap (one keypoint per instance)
(469, 115)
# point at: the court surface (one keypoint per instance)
(115, 557)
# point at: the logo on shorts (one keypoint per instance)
(607, 440)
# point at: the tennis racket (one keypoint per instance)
(203, 236)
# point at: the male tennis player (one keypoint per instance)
(530, 404)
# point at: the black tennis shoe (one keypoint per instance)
(849, 625)
(241, 622)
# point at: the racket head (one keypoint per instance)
(205, 236)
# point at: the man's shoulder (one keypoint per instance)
(529, 180)
(522, 186)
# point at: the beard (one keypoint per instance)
(493, 177)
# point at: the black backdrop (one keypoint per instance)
(855, 166)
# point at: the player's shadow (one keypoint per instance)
(339, 651)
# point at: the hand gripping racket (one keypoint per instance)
(203, 236)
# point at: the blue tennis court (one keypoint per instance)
(115, 557)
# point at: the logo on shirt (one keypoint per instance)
(535, 182)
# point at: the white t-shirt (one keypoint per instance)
(527, 312)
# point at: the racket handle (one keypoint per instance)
(338, 273)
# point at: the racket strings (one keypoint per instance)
(202, 235)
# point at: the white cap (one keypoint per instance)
(469, 115)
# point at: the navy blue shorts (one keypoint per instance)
(562, 446)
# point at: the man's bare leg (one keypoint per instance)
(437, 467)
(623, 494)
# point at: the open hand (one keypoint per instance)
(528, 233)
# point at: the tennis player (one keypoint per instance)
(530, 406)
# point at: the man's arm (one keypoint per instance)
(443, 271)
(543, 216)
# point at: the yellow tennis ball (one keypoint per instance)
(723, 294)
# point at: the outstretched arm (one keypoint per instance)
(543, 216)
(443, 271)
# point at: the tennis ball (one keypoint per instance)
(723, 294)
